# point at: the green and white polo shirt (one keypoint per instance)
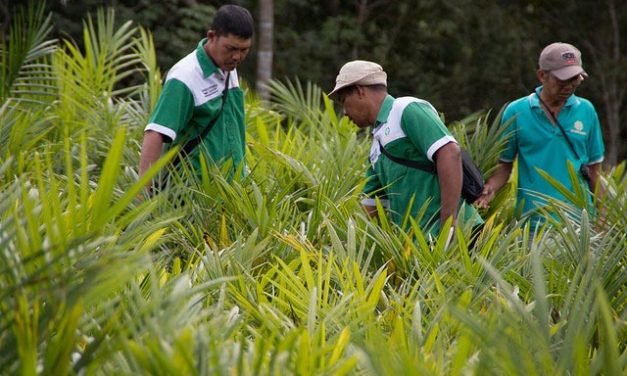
(191, 96)
(409, 128)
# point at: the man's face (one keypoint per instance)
(227, 51)
(556, 89)
(354, 105)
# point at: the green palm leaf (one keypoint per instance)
(24, 72)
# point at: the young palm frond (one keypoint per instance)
(67, 247)
(484, 142)
(581, 238)
(576, 294)
(559, 322)
(20, 131)
(138, 105)
(298, 104)
(88, 79)
(24, 71)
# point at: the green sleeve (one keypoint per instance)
(424, 129)
(174, 109)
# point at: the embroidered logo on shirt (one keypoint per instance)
(578, 128)
(387, 131)
(209, 91)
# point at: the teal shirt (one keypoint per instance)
(409, 128)
(539, 144)
(191, 96)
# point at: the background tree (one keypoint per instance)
(264, 51)
(597, 29)
(462, 55)
(176, 25)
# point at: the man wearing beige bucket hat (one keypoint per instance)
(405, 129)
(548, 129)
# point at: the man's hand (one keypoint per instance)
(496, 182)
(483, 202)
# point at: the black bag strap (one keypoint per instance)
(190, 145)
(428, 167)
(554, 118)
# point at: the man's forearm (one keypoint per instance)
(500, 176)
(450, 177)
(151, 151)
(370, 210)
(594, 171)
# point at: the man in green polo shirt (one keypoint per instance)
(407, 128)
(550, 128)
(201, 88)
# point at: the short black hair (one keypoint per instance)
(349, 89)
(233, 19)
(377, 87)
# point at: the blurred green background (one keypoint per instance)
(462, 55)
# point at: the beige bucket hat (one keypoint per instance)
(359, 72)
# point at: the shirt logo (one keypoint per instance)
(209, 91)
(387, 131)
(578, 128)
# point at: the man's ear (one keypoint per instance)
(361, 90)
(541, 75)
(211, 34)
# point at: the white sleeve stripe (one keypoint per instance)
(161, 129)
(597, 161)
(373, 202)
(438, 144)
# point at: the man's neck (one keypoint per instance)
(554, 105)
(377, 102)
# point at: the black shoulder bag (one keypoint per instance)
(190, 145)
(472, 184)
(583, 170)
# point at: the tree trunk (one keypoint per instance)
(265, 49)
(614, 99)
(604, 49)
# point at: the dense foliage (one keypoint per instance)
(278, 272)
(463, 56)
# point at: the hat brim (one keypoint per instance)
(567, 73)
(337, 88)
(369, 78)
